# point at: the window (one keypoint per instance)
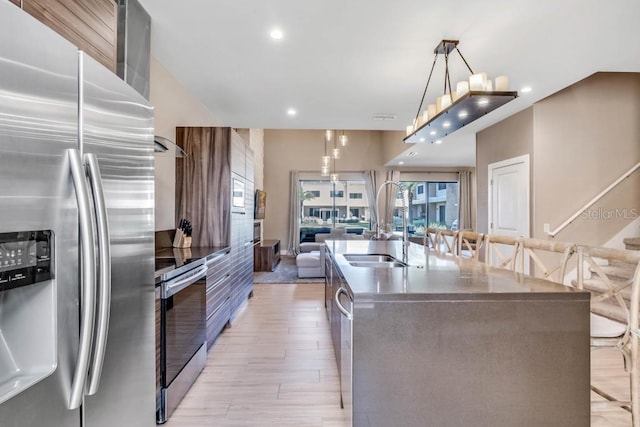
(323, 206)
(436, 207)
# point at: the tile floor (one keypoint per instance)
(275, 367)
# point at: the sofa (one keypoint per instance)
(335, 234)
(311, 264)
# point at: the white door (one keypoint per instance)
(509, 198)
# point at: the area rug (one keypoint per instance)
(285, 272)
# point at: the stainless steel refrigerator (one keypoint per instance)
(77, 329)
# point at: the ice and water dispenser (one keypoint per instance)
(27, 310)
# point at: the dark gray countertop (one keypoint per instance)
(438, 277)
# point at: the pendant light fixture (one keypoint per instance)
(327, 168)
(334, 176)
(451, 111)
(343, 139)
(326, 159)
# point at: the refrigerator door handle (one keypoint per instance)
(87, 280)
(104, 280)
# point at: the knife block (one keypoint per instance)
(181, 241)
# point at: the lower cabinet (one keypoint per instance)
(218, 309)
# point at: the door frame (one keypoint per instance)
(509, 162)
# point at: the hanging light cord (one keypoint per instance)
(465, 61)
(447, 80)
(435, 58)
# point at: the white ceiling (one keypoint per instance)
(343, 61)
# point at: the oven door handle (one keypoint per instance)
(172, 288)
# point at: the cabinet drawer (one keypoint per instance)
(217, 321)
(218, 266)
(217, 294)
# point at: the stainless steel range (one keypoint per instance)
(182, 304)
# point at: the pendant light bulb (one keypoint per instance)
(343, 139)
(335, 153)
(328, 135)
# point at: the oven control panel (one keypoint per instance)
(25, 258)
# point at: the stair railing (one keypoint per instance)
(579, 212)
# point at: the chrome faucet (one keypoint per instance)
(405, 214)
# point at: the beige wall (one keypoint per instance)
(174, 106)
(509, 138)
(586, 136)
(579, 140)
(392, 145)
(287, 150)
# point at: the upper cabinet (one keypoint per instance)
(89, 24)
(203, 183)
(241, 157)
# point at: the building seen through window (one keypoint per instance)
(323, 206)
(432, 204)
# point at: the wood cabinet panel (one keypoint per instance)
(16, 2)
(203, 183)
(89, 24)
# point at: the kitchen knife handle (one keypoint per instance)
(87, 279)
(104, 282)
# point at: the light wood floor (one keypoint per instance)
(275, 367)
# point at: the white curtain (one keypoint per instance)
(390, 199)
(294, 214)
(370, 187)
(464, 207)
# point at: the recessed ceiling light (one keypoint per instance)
(439, 141)
(411, 153)
(433, 132)
(483, 101)
(526, 89)
(276, 34)
(462, 114)
(422, 139)
(292, 112)
(401, 163)
(446, 124)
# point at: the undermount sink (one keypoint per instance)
(373, 261)
(374, 264)
(369, 257)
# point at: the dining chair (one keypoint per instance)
(430, 234)
(469, 244)
(501, 251)
(446, 242)
(545, 258)
(615, 308)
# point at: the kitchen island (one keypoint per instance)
(445, 341)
